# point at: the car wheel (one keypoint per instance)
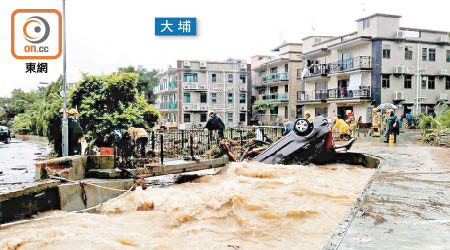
(302, 127)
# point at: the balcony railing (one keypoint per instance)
(159, 88)
(275, 77)
(270, 119)
(314, 95)
(338, 93)
(360, 62)
(167, 106)
(343, 93)
(318, 70)
(276, 97)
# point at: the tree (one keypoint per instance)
(110, 102)
(146, 81)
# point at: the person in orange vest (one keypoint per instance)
(343, 128)
(139, 136)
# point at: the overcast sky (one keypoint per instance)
(105, 34)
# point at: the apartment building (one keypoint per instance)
(275, 85)
(187, 93)
(380, 62)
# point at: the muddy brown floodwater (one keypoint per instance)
(248, 206)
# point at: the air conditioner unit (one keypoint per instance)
(443, 72)
(443, 39)
(243, 66)
(443, 96)
(400, 34)
(399, 96)
(202, 64)
(187, 64)
(400, 69)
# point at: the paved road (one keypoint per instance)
(406, 205)
(17, 161)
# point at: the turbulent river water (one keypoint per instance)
(247, 206)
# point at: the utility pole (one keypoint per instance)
(65, 129)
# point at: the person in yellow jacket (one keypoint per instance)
(308, 116)
(140, 138)
(342, 126)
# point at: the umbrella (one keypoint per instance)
(387, 106)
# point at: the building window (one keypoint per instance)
(386, 51)
(385, 81)
(242, 79)
(242, 117)
(214, 78)
(274, 110)
(408, 53)
(190, 77)
(447, 82)
(286, 68)
(230, 117)
(286, 88)
(242, 98)
(274, 70)
(424, 82)
(187, 98)
(213, 97)
(366, 23)
(230, 98)
(448, 56)
(187, 118)
(430, 82)
(407, 81)
(203, 117)
(432, 55)
(321, 112)
(203, 98)
(424, 54)
(230, 78)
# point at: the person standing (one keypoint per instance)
(409, 120)
(140, 138)
(75, 133)
(215, 123)
(392, 126)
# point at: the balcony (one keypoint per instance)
(345, 93)
(317, 70)
(314, 95)
(275, 77)
(342, 93)
(270, 119)
(355, 63)
(167, 106)
(170, 87)
(276, 98)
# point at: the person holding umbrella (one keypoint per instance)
(392, 126)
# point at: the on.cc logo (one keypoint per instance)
(36, 29)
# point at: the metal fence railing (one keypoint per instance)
(179, 144)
